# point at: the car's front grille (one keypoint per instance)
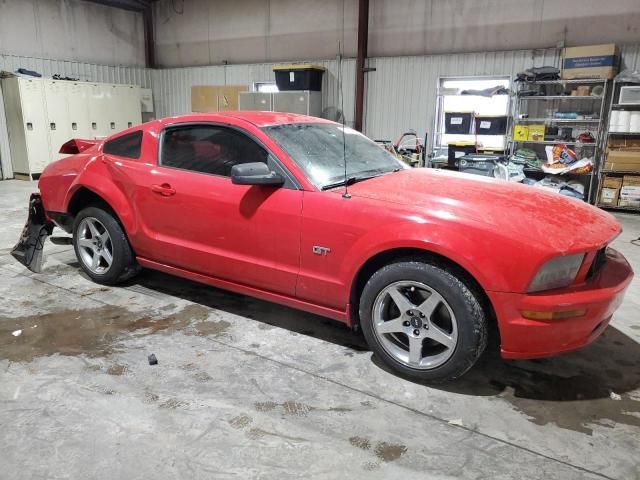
(598, 262)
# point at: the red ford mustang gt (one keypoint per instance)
(262, 204)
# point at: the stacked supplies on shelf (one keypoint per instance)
(610, 191)
(623, 155)
(571, 188)
(561, 159)
(630, 192)
(526, 157)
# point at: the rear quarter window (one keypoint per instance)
(128, 146)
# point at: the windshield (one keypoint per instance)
(318, 149)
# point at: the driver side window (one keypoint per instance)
(209, 149)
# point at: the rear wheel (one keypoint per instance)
(423, 321)
(102, 247)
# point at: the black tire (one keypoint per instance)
(123, 264)
(461, 299)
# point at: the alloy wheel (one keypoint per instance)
(95, 245)
(415, 324)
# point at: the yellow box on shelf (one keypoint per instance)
(521, 132)
(536, 133)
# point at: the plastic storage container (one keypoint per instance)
(299, 77)
(479, 164)
(457, 150)
(491, 125)
(458, 122)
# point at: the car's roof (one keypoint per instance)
(260, 119)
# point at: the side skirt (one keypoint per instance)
(339, 315)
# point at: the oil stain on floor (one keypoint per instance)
(594, 386)
(94, 332)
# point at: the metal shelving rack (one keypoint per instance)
(595, 123)
(437, 143)
(602, 173)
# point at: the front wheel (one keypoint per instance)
(423, 321)
(102, 247)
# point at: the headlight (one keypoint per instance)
(556, 273)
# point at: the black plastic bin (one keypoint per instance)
(458, 122)
(479, 164)
(457, 151)
(491, 125)
(299, 77)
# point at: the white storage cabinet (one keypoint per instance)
(305, 102)
(43, 114)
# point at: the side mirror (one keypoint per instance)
(256, 173)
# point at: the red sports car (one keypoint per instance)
(304, 212)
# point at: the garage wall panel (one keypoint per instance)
(205, 32)
(71, 29)
(84, 71)
(172, 87)
(401, 93)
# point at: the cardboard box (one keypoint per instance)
(521, 132)
(629, 203)
(630, 192)
(612, 182)
(631, 181)
(622, 161)
(216, 98)
(624, 143)
(593, 61)
(610, 191)
(623, 156)
(621, 167)
(609, 196)
(536, 132)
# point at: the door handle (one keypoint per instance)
(165, 190)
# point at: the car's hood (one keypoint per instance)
(510, 209)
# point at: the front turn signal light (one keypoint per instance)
(534, 315)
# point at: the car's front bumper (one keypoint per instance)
(600, 296)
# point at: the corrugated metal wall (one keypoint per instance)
(83, 71)
(172, 87)
(400, 94)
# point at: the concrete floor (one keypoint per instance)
(249, 389)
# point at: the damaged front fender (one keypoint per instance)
(29, 249)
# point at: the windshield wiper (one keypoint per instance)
(349, 181)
